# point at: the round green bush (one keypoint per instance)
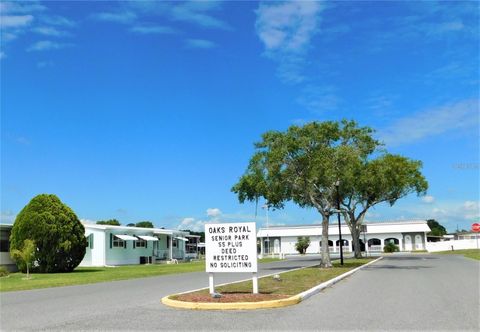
(390, 247)
(57, 232)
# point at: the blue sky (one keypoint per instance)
(149, 110)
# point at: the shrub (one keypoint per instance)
(58, 235)
(390, 247)
(25, 256)
(302, 244)
(3, 271)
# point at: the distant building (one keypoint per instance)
(408, 235)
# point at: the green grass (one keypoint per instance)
(88, 275)
(294, 282)
(470, 253)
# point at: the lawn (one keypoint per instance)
(470, 253)
(290, 283)
(88, 275)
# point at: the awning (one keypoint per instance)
(148, 237)
(126, 237)
(182, 238)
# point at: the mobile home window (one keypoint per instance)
(140, 243)
(90, 241)
(118, 243)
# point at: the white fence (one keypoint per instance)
(453, 244)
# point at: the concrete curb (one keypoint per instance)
(262, 304)
(317, 289)
(233, 305)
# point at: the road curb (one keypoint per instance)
(233, 305)
(314, 290)
(262, 304)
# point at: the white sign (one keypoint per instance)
(231, 247)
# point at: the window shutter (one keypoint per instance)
(91, 241)
(111, 240)
(124, 244)
(146, 244)
(133, 244)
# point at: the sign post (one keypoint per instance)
(476, 229)
(231, 247)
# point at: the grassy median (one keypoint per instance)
(470, 253)
(290, 283)
(89, 275)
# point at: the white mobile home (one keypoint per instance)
(407, 235)
(121, 245)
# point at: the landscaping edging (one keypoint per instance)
(295, 299)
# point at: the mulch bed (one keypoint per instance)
(229, 297)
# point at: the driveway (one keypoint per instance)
(405, 292)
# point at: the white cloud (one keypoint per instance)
(50, 31)
(319, 99)
(7, 217)
(45, 45)
(197, 12)
(152, 29)
(15, 21)
(286, 30)
(124, 17)
(213, 212)
(192, 224)
(200, 43)
(428, 199)
(457, 116)
(20, 7)
(17, 18)
(57, 21)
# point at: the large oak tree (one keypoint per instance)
(303, 164)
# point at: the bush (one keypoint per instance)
(58, 235)
(302, 244)
(390, 247)
(3, 271)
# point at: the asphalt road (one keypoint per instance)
(401, 292)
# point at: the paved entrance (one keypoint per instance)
(400, 292)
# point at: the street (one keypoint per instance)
(403, 292)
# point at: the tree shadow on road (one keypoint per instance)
(409, 258)
(396, 267)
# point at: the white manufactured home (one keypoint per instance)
(122, 245)
(407, 235)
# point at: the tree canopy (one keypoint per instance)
(437, 229)
(58, 235)
(144, 224)
(112, 222)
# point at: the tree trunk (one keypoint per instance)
(325, 258)
(355, 230)
(356, 240)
